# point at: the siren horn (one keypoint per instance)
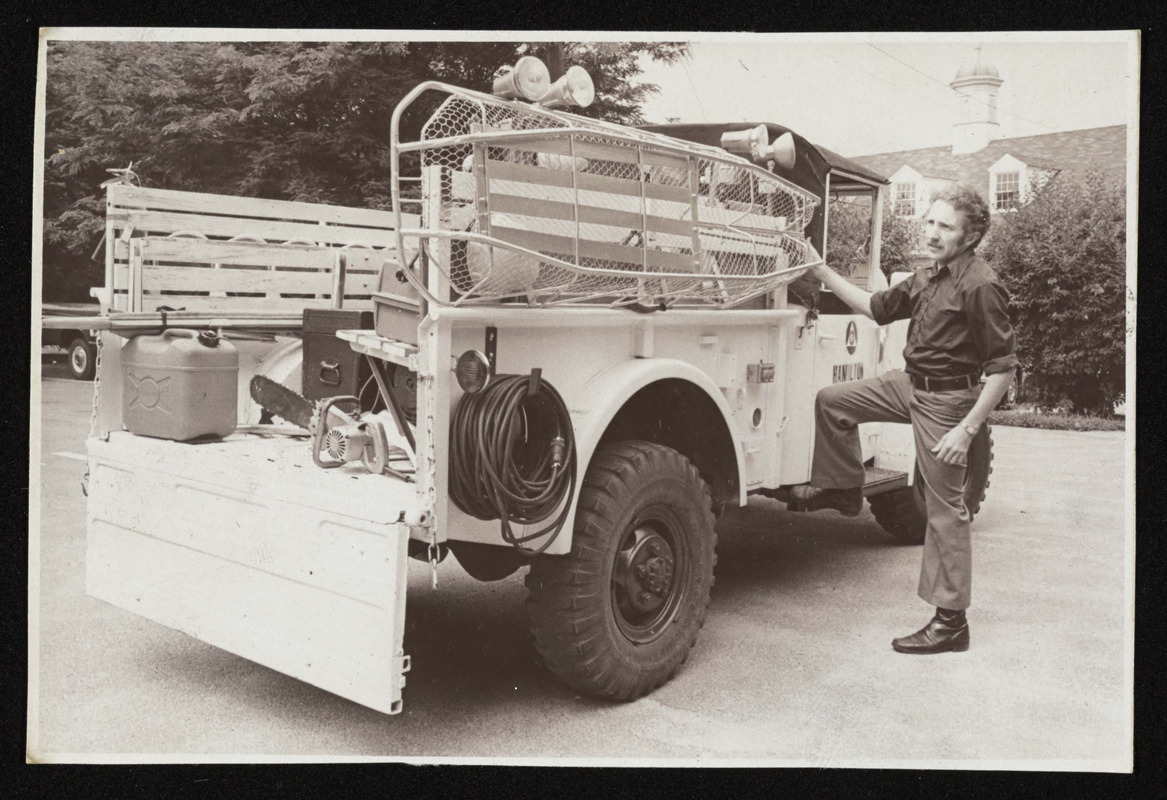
(529, 80)
(575, 88)
(749, 143)
(782, 151)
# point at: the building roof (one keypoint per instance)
(1074, 152)
(944, 174)
(845, 164)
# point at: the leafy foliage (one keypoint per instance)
(850, 221)
(614, 66)
(901, 236)
(1063, 259)
(1017, 418)
(304, 121)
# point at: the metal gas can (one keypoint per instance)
(180, 384)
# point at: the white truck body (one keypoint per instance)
(245, 544)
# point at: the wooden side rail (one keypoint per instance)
(241, 255)
(123, 200)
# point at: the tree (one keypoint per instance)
(901, 237)
(1062, 258)
(304, 121)
(615, 67)
(847, 233)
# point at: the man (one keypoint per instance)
(959, 328)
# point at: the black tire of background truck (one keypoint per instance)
(901, 512)
(611, 618)
(1013, 394)
(82, 359)
(1010, 398)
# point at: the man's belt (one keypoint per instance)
(944, 384)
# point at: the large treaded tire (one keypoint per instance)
(618, 615)
(902, 513)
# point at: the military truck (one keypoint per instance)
(586, 342)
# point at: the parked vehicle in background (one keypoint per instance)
(78, 343)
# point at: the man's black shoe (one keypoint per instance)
(804, 497)
(947, 632)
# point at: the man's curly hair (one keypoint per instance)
(968, 202)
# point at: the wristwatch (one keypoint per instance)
(971, 430)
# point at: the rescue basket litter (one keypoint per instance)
(525, 204)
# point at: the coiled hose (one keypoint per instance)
(512, 457)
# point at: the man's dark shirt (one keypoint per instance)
(960, 319)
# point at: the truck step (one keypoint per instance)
(877, 480)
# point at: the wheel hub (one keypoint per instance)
(656, 571)
(646, 571)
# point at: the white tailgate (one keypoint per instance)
(247, 545)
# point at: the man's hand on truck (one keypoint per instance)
(852, 295)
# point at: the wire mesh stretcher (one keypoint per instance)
(523, 204)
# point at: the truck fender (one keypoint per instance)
(282, 363)
(595, 406)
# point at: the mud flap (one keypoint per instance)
(246, 545)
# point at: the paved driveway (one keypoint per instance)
(794, 664)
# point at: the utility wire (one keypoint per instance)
(941, 103)
(893, 84)
(696, 96)
(1041, 125)
(949, 106)
(933, 100)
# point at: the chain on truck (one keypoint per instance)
(568, 346)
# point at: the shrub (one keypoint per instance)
(901, 236)
(850, 221)
(1056, 422)
(1063, 259)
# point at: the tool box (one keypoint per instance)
(331, 367)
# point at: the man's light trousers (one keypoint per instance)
(946, 571)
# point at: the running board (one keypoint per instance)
(876, 481)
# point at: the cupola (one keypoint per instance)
(977, 83)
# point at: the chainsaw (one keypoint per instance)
(337, 437)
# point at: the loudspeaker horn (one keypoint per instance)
(574, 88)
(528, 80)
(748, 143)
(782, 151)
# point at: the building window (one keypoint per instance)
(1007, 193)
(905, 200)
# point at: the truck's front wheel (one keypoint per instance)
(617, 616)
(902, 513)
